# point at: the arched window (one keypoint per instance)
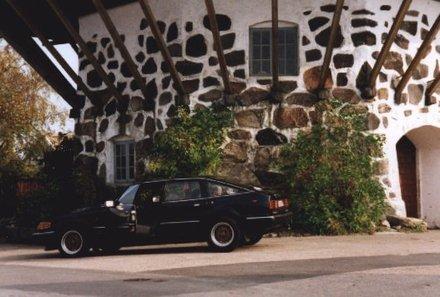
(261, 49)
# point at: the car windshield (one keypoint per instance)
(129, 195)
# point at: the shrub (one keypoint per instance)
(329, 173)
(191, 146)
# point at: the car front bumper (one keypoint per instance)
(47, 239)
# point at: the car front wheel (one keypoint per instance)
(72, 243)
(224, 235)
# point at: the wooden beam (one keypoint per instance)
(433, 87)
(387, 45)
(325, 68)
(85, 49)
(121, 46)
(52, 50)
(218, 45)
(162, 45)
(421, 53)
(275, 50)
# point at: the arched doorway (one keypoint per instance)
(418, 154)
(406, 156)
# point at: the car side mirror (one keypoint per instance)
(110, 204)
(156, 199)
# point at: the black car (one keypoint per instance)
(169, 211)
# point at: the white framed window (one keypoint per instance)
(124, 161)
(261, 50)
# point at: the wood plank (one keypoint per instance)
(387, 45)
(325, 68)
(121, 46)
(433, 87)
(421, 53)
(52, 50)
(85, 49)
(218, 45)
(275, 49)
(151, 19)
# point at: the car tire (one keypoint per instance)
(224, 235)
(72, 243)
(252, 239)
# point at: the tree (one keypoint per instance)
(26, 114)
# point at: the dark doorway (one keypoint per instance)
(406, 156)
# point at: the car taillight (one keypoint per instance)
(44, 226)
(276, 204)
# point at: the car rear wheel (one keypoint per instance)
(252, 239)
(224, 235)
(72, 243)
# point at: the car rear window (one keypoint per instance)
(218, 190)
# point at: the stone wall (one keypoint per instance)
(260, 125)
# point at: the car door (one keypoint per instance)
(181, 208)
(148, 209)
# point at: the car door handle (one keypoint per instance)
(196, 204)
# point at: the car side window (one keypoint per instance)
(217, 190)
(129, 195)
(182, 190)
(147, 192)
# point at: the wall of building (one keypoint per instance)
(260, 126)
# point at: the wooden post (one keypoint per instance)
(433, 87)
(421, 53)
(325, 70)
(52, 50)
(162, 45)
(121, 46)
(85, 49)
(387, 46)
(218, 45)
(275, 50)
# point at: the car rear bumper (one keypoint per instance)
(269, 223)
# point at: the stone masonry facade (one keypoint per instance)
(261, 125)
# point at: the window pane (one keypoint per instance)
(265, 37)
(282, 36)
(256, 37)
(129, 194)
(217, 190)
(290, 35)
(290, 51)
(291, 67)
(265, 52)
(266, 67)
(281, 52)
(182, 191)
(256, 66)
(256, 53)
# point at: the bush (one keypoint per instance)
(329, 173)
(69, 183)
(191, 146)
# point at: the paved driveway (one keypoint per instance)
(383, 264)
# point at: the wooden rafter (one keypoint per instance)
(85, 49)
(218, 45)
(433, 87)
(421, 53)
(325, 68)
(151, 19)
(121, 46)
(388, 43)
(52, 50)
(275, 49)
